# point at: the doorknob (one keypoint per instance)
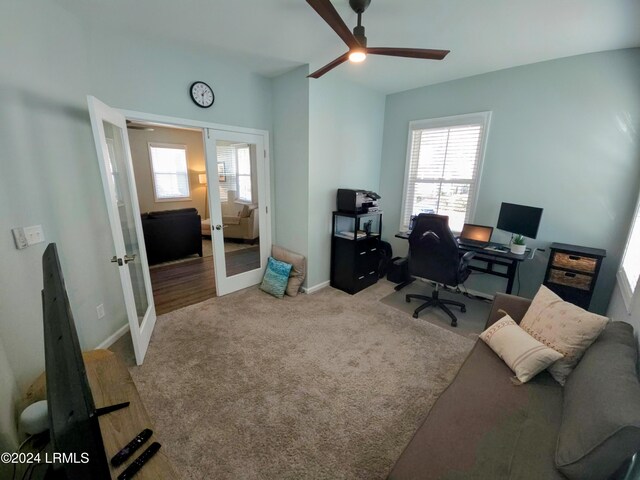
(117, 260)
(129, 258)
(218, 227)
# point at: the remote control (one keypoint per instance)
(137, 464)
(120, 457)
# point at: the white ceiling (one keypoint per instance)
(272, 36)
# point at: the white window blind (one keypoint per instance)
(243, 156)
(630, 267)
(170, 172)
(443, 166)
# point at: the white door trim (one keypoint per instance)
(266, 210)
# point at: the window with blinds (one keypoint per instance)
(170, 172)
(243, 156)
(629, 272)
(443, 167)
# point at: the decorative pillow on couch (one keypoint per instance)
(562, 326)
(298, 269)
(525, 355)
(601, 408)
(275, 277)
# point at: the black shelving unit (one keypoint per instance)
(572, 272)
(354, 250)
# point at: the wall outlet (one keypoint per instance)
(100, 311)
(19, 238)
(34, 234)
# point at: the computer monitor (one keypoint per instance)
(479, 233)
(519, 219)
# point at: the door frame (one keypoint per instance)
(164, 120)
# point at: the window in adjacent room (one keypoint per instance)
(630, 267)
(170, 172)
(444, 161)
(243, 173)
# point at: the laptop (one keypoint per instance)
(475, 235)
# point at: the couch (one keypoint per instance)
(240, 220)
(484, 426)
(171, 234)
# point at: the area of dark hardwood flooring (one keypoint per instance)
(180, 284)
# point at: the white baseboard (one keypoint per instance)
(114, 338)
(315, 288)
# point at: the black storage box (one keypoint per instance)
(398, 270)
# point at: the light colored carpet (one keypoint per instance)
(470, 324)
(322, 386)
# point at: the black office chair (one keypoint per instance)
(434, 255)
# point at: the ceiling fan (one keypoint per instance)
(357, 42)
(138, 126)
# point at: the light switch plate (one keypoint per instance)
(19, 238)
(34, 234)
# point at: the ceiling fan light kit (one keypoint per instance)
(357, 41)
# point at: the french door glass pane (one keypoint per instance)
(239, 206)
(116, 148)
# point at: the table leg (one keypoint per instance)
(511, 272)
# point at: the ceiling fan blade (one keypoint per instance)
(331, 16)
(409, 52)
(329, 66)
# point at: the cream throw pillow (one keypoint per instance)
(525, 355)
(562, 326)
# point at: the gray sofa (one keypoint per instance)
(483, 426)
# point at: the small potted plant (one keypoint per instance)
(518, 246)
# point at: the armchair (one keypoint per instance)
(434, 255)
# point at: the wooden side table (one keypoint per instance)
(111, 384)
(572, 272)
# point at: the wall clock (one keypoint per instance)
(201, 94)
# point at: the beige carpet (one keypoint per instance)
(322, 386)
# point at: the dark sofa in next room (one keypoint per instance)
(484, 426)
(171, 234)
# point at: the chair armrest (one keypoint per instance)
(466, 258)
(515, 306)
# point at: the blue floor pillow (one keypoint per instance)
(276, 277)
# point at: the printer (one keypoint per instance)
(357, 201)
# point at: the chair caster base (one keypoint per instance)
(454, 324)
(463, 310)
(415, 315)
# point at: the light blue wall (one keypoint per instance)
(291, 159)
(564, 136)
(345, 142)
(50, 173)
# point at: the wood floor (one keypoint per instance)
(181, 284)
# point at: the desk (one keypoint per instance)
(110, 384)
(490, 259)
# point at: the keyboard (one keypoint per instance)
(472, 243)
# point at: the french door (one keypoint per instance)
(238, 178)
(130, 257)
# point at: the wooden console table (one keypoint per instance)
(111, 384)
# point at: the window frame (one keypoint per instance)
(629, 293)
(446, 122)
(176, 146)
(238, 174)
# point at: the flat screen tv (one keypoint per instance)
(77, 450)
(519, 219)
